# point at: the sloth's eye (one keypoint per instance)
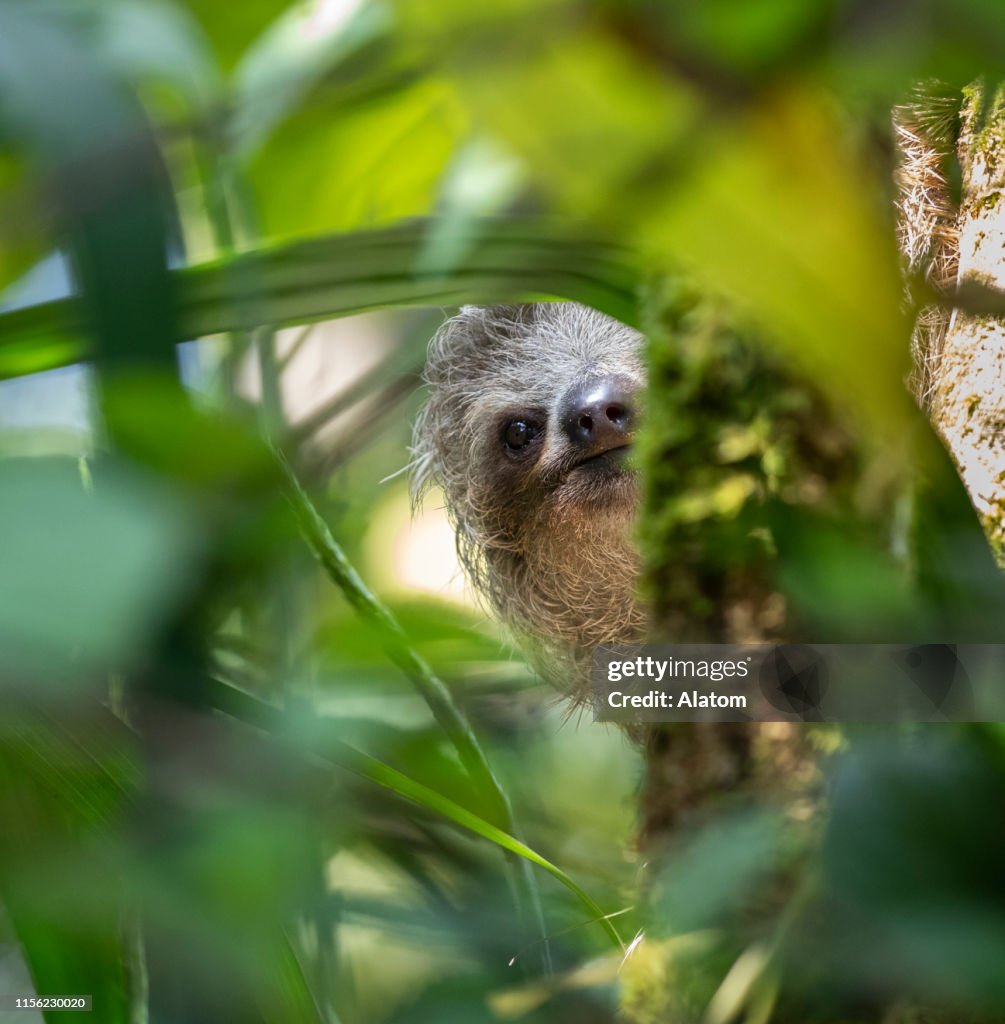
(519, 433)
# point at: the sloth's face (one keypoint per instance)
(573, 451)
(531, 420)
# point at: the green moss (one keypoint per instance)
(988, 203)
(731, 435)
(987, 121)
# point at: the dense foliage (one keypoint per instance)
(236, 785)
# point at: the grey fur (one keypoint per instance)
(549, 546)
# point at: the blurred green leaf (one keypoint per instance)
(233, 28)
(23, 226)
(317, 738)
(61, 784)
(154, 44)
(712, 873)
(199, 448)
(278, 70)
(377, 162)
(912, 860)
(37, 352)
(113, 214)
(343, 274)
(571, 101)
(295, 993)
(774, 216)
(87, 577)
(745, 38)
(843, 583)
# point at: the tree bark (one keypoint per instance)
(960, 356)
(968, 406)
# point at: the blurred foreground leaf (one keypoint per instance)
(342, 274)
(774, 215)
(716, 870)
(289, 57)
(317, 737)
(113, 215)
(86, 576)
(383, 160)
(913, 860)
(61, 787)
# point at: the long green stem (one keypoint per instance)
(432, 689)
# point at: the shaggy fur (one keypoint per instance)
(927, 229)
(545, 541)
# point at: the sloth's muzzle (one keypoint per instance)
(599, 417)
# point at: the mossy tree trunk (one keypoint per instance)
(770, 517)
(748, 471)
(735, 447)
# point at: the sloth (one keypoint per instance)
(528, 429)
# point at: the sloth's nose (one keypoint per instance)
(599, 416)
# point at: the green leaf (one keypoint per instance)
(296, 1001)
(774, 216)
(504, 261)
(291, 56)
(912, 860)
(232, 28)
(586, 116)
(709, 876)
(23, 240)
(154, 43)
(340, 167)
(44, 351)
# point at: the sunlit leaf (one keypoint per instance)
(377, 162)
(582, 112)
(774, 215)
(232, 28)
(297, 50)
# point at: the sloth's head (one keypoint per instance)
(528, 428)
